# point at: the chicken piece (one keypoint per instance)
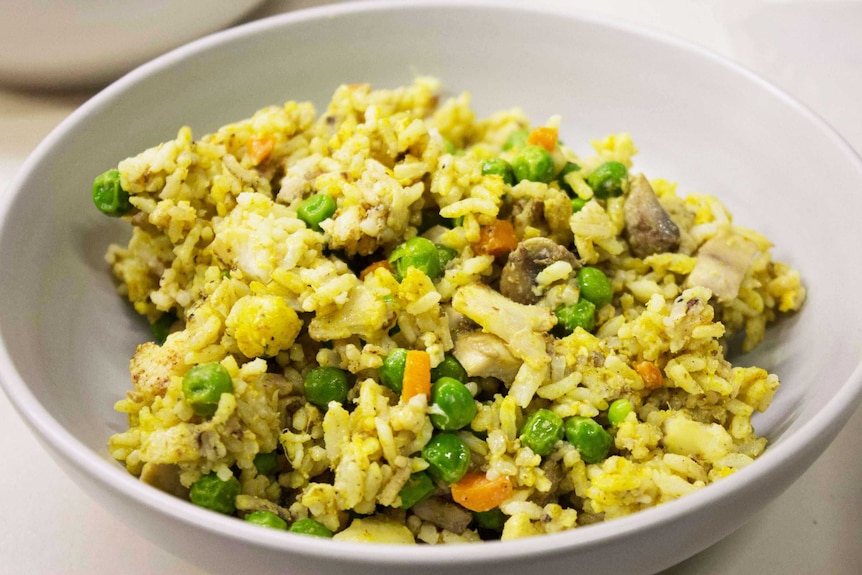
(443, 514)
(650, 229)
(518, 279)
(524, 329)
(721, 265)
(486, 355)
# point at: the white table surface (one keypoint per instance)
(811, 48)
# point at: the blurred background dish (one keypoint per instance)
(83, 43)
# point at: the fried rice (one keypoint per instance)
(219, 252)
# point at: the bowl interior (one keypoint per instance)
(698, 120)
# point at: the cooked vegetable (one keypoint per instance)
(392, 370)
(452, 405)
(417, 488)
(568, 168)
(213, 493)
(325, 384)
(544, 137)
(310, 527)
(516, 140)
(532, 256)
(581, 314)
(533, 163)
(650, 373)
(417, 374)
(619, 410)
(541, 431)
(478, 493)
(609, 180)
(203, 386)
(109, 196)
(266, 463)
(497, 239)
(266, 519)
(589, 438)
(447, 456)
(449, 367)
(259, 148)
(650, 229)
(595, 286)
(499, 167)
(419, 253)
(315, 209)
(493, 519)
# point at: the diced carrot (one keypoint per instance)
(478, 493)
(543, 136)
(370, 269)
(650, 373)
(260, 148)
(417, 374)
(498, 239)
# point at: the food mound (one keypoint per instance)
(399, 322)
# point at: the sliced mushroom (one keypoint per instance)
(721, 265)
(486, 355)
(164, 476)
(650, 229)
(526, 262)
(443, 514)
(250, 503)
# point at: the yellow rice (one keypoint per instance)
(216, 241)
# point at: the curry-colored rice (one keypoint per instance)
(217, 242)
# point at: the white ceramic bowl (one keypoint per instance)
(78, 43)
(698, 119)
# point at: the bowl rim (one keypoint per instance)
(814, 434)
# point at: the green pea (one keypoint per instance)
(315, 209)
(619, 410)
(533, 163)
(267, 519)
(493, 519)
(449, 367)
(212, 493)
(392, 370)
(589, 438)
(595, 286)
(447, 456)
(310, 527)
(450, 148)
(161, 328)
(516, 140)
(266, 463)
(430, 218)
(326, 383)
(578, 315)
(452, 404)
(541, 431)
(561, 177)
(109, 196)
(419, 253)
(417, 488)
(609, 180)
(203, 386)
(578, 204)
(446, 255)
(499, 167)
